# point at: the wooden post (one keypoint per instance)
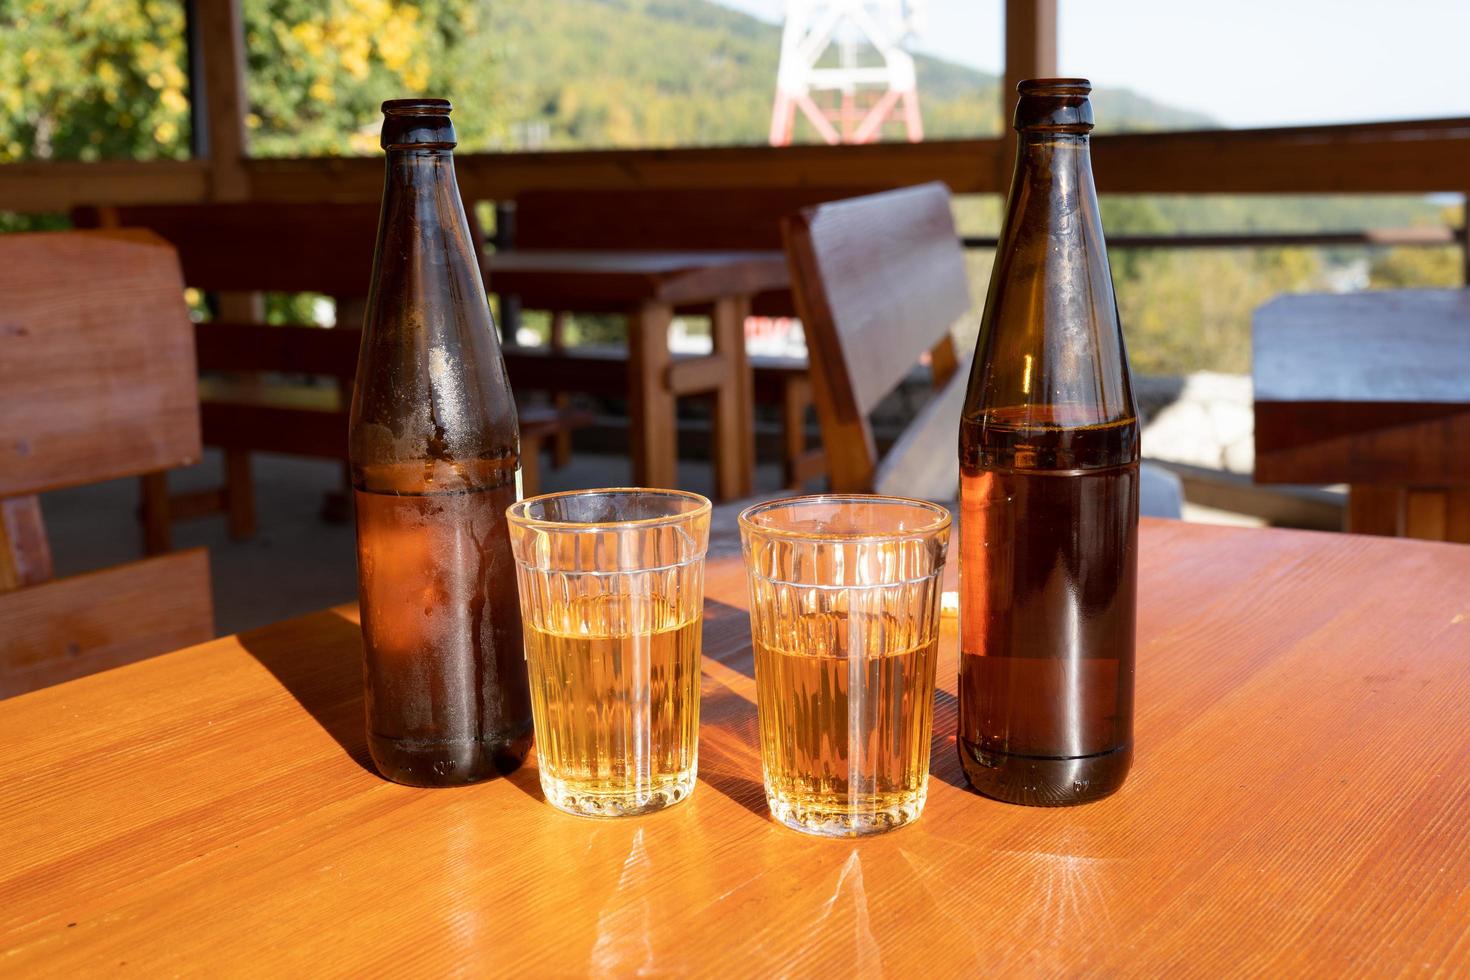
(1031, 52)
(652, 419)
(25, 553)
(1463, 233)
(217, 54)
(733, 446)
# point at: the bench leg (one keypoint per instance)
(561, 443)
(734, 442)
(530, 466)
(796, 397)
(156, 513)
(25, 554)
(337, 504)
(239, 494)
(652, 423)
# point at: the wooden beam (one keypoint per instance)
(1427, 156)
(57, 186)
(966, 165)
(1319, 160)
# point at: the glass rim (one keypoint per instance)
(516, 512)
(943, 518)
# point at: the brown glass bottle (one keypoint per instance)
(1049, 487)
(435, 455)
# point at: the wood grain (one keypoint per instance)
(1301, 804)
(76, 626)
(96, 360)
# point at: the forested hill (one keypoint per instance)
(577, 73)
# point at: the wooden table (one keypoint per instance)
(647, 287)
(1373, 390)
(1300, 804)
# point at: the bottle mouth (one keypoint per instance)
(417, 123)
(1054, 105)
(1055, 86)
(417, 107)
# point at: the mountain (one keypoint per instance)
(588, 73)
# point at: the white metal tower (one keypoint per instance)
(854, 50)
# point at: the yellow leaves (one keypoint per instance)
(174, 100)
(311, 36)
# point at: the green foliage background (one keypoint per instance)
(107, 79)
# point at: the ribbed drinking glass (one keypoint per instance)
(844, 613)
(612, 593)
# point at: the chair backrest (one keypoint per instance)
(258, 246)
(734, 219)
(97, 382)
(878, 281)
(267, 247)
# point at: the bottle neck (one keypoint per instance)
(1050, 353)
(421, 203)
(418, 168)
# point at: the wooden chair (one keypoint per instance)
(878, 282)
(97, 382)
(238, 249)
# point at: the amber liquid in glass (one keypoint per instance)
(616, 707)
(442, 635)
(1049, 557)
(829, 756)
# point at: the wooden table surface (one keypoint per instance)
(572, 279)
(1300, 804)
(1371, 389)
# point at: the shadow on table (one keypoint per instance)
(729, 751)
(323, 673)
(944, 760)
(720, 644)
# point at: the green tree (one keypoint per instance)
(93, 80)
(318, 72)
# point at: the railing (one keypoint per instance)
(1426, 237)
(1417, 157)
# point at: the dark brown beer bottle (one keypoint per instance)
(1049, 486)
(435, 456)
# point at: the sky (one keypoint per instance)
(1243, 62)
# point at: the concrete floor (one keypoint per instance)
(296, 563)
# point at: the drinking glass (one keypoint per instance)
(844, 613)
(612, 598)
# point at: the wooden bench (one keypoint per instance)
(256, 413)
(238, 251)
(96, 383)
